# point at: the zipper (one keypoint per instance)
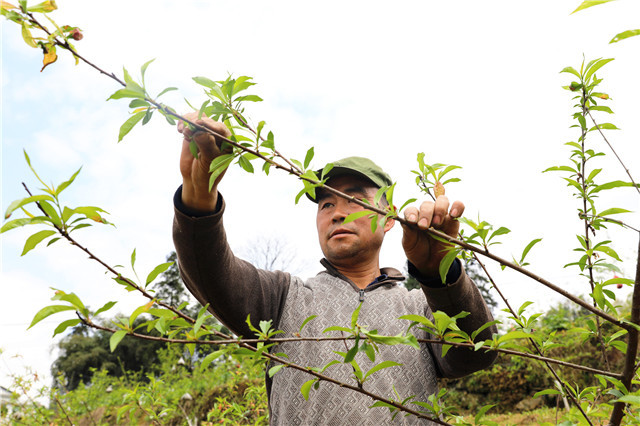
(361, 295)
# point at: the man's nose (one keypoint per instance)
(340, 212)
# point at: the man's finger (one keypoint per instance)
(426, 214)
(411, 214)
(457, 209)
(440, 210)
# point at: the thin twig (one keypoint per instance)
(607, 219)
(63, 410)
(240, 341)
(614, 152)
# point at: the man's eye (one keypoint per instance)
(326, 205)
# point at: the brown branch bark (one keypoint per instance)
(632, 347)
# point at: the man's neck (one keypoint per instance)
(361, 275)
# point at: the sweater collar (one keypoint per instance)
(389, 276)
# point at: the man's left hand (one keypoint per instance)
(423, 251)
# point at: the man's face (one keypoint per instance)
(353, 243)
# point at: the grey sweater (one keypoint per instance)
(234, 289)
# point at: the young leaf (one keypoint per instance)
(207, 360)
(64, 325)
(47, 311)
(355, 216)
(306, 321)
(446, 263)
(158, 270)
(218, 166)
(308, 158)
(24, 201)
(66, 183)
(245, 164)
(116, 338)
(589, 3)
(599, 64)
(104, 308)
(623, 35)
(306, 387)
(130, 124)
(143, 69)
(35, 239)
(528, 248)
(382, 365)
(273, 370)
(249, 98)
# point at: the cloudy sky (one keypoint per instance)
(470, 83)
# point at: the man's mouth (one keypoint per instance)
(341, 231)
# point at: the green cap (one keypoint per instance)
(358, 166)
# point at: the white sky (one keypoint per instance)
(470, 83)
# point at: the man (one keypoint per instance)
(235, 289)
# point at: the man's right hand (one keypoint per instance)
(195, 171)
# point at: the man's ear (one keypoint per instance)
(389, 225)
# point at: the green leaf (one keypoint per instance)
(104, 308)
(381, 366)
(47, 311)
(528, 248)
(327, 168)
(446, 263)
(547, 392)
(601, 108)
(168, 89)
(500, 231)
(249, 98)
(613, 210)
(35, 239)
(589, 3)
(337, 328)
(559, 169)
(218, 166)
(204, 81)
(245, 164)
(51, 212)
(629, 399)
(308, 158)
(306, 321)
(611, 185)
(116, 338)
(16, 223)
(355, 315)
(608, 250)
(273, 370)
(571, 70)
(605, 126)
(158, 270)
(355, 216)
(66, 183)
(127, 93)
(23, 202)
(351, 354)
(209, 358)
(599, 64)
(133, 259)
(143, 68)
(64, 325)
(625, 34)
(419, 319)
(130, 124)
(306, 387)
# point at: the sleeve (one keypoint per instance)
(462, 295)
(232, 287)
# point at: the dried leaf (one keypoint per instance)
(438, 189)
(50, 57)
